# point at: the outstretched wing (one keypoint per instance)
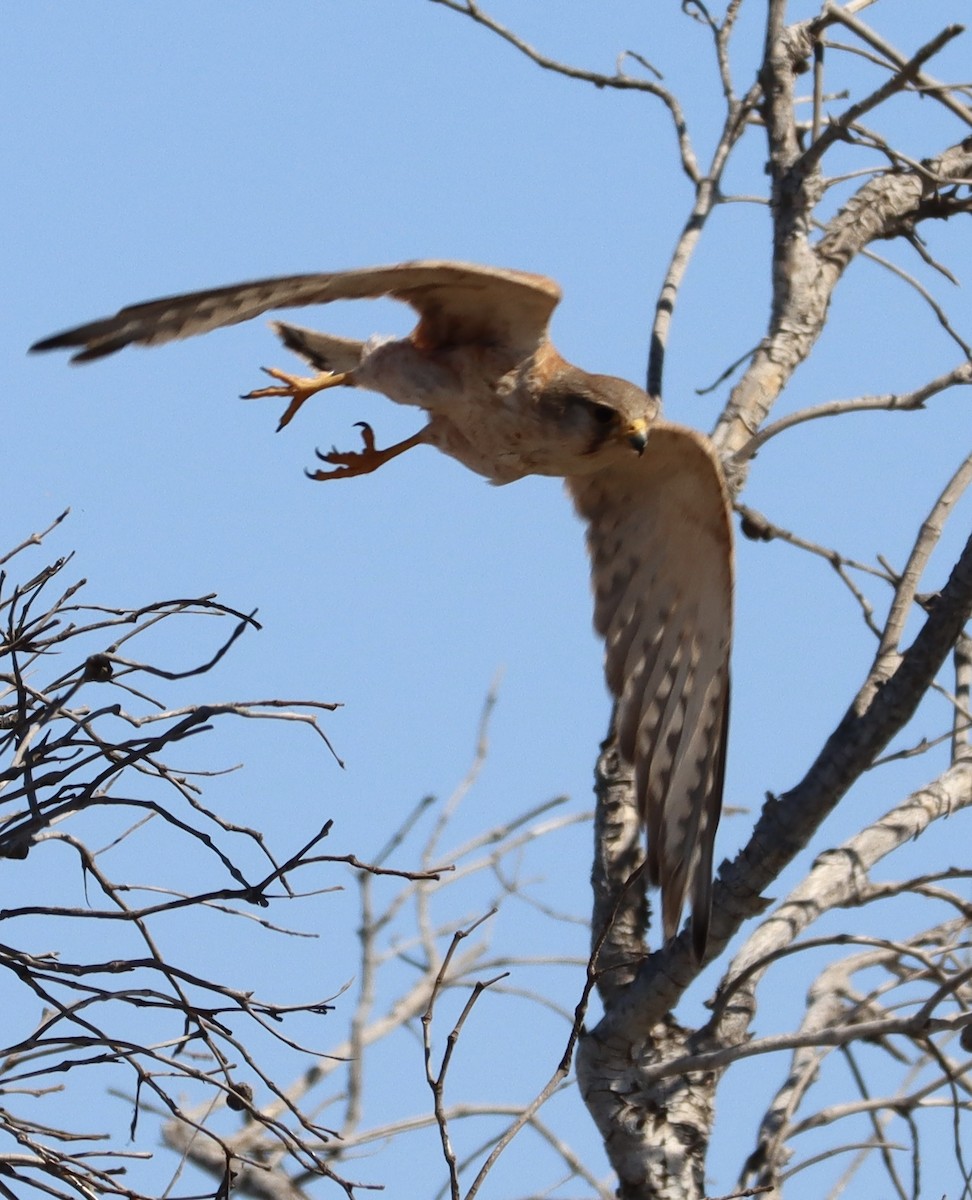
(660, 540)
(457, 303)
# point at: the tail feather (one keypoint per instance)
(325, 351)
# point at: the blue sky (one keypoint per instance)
(159, 148)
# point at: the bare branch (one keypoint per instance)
(906, 73)
(888, 402)
(844, 14)
(925, 543)
(618, 80)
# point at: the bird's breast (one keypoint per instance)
(480, 411)
(499, 432)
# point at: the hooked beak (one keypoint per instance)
(637, 435)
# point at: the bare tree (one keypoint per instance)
(89, 797)
(895, 1011)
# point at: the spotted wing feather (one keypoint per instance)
(457, 303)
(660, 541)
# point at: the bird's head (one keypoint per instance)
(600, 418)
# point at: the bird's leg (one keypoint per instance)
(362, 462)
(298, 387)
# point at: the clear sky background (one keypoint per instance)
(158, 148)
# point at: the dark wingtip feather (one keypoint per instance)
(58, 341)
(94, 345)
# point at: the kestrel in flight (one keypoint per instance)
(501, 400)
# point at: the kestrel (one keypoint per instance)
(501, 400)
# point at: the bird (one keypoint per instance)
(502, 400)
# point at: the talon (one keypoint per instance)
(298, 387)
(367, 434)
(361, 462)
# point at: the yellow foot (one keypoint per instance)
(348, 463)
(298, 387)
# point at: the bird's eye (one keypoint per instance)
(603, 414)
(589, 411)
